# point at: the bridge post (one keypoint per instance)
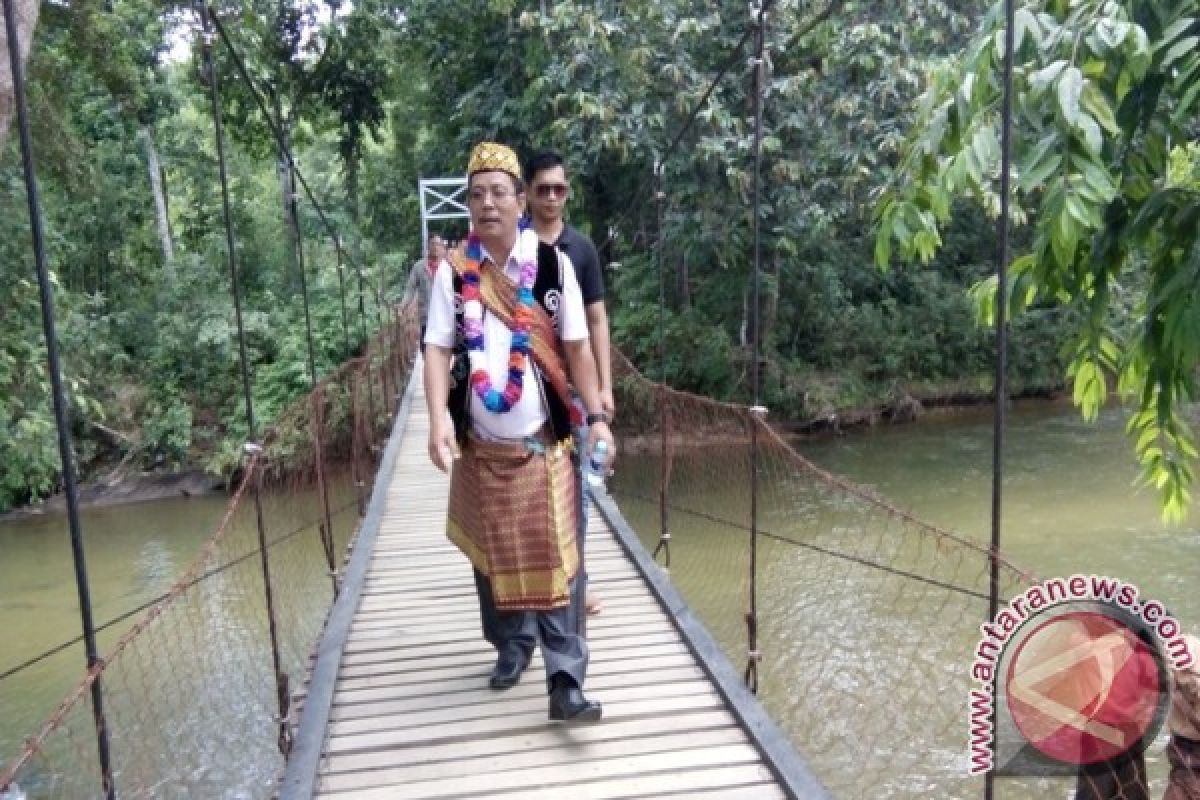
(325, 524)
(1000, 400)
(324, 527)
(61, 409)
(757, 412)
(664, 419)
(252, 449)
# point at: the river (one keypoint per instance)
(135, 553)
(866, 656)
(1070, 506)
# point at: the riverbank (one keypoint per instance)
(906, 408)
(136, 487)
(911, 407)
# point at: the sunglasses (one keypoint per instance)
(551, 189)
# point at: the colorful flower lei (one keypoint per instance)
(518, 354)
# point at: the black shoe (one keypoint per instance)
(568, 704)
(508, 669)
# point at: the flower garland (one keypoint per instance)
(518, 354)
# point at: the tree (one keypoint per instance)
(349, 78)
(1107, 180)
(26, 13)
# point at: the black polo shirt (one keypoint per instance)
(582, 252)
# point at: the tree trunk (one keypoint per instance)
(26, 12)
(772, 290)
(154, 167)
(287, 188)
(351, 168)
(287, 180)
(683, 286)
(745, 331)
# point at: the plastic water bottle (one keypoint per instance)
(597, 464)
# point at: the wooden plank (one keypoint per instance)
(485, 703)
(402, 768)
(548, 737)
(459, 676)
(412, 715)
(422, 651)
(724, 781)
(510, 725)
(362, 645)
(567, 773)
(617, 611)
(447, 693)
(484, 659)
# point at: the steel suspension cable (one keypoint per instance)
(61, 409)
(325, 527)
(342, 296)
(758, 411)
(362, 323)
(280, 139)
(1001, 394)
(664, 533)
(212, 573)
(240, 64)
(664, 434)
(849, 558)
(281, 683)
(660, 163)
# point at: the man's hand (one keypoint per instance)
(607, 404)
(598, 431)
(443, 449)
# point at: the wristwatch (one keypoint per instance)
(599, 416)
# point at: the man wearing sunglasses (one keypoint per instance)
(549, 190)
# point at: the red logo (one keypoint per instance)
(1083, 687)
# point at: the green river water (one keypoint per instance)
(1070, 506)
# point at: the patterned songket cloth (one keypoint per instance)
(525, 543)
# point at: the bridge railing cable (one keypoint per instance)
(195, 697)
(190, 697)
(289, 160)
(104, 770)
(850, 573)
(867, 616)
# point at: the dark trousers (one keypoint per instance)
(579, 596)
(1121, 779)
(1184, 757)
(515, 633)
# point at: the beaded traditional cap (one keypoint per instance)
(489, 156)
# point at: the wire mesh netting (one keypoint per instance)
(867, 618)
(193, 705)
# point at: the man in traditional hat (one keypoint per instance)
(518, 340)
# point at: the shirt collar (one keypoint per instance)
(509, 266)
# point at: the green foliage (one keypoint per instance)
(376, 94)
(150, 349)
(1104, 92)
(609, 85)
(168, 432)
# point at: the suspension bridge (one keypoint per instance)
(398, 702)
(362, 673)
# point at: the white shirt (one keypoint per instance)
(529, 413)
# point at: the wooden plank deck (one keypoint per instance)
(411, 715)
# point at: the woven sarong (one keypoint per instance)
(1184, 781)
(513, 513)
